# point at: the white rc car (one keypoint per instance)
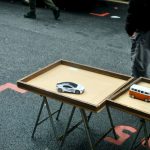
(70, 87)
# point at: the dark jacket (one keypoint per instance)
(138, 17)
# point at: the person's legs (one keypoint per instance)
(140, 55)
(32, 13)
(52, 6)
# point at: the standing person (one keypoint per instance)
(32, 13)
(138, 28)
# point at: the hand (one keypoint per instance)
(134, 35)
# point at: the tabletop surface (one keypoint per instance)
(97, 86)
(139, 106)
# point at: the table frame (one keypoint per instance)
(22, 83)
(80, 105)
(143, 116)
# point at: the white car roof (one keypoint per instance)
(141, 88)
(68, 83)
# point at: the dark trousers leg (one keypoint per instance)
(32, 4)
(140, 53)
(50, 4)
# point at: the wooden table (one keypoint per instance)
(99, 85)
(121, 100)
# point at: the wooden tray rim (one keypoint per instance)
(22, 83)
(111, 100)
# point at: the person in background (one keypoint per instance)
(137, 27)
(32, 13)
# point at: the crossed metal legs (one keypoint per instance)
(85, 121)
(147, 137)
(49, 116)
(67, 130)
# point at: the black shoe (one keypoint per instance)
(31, 15)
(56, 13)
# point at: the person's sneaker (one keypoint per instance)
(56, 13)
(31, 15)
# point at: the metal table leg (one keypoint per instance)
(50, 116)
(38, 122)
(142, 125)
(59, 111)
(85, 121)
(74, 126)
(111, 121)
(38, 118)
(68, 125)
(111, 129)
(146, 135)
(89, 116)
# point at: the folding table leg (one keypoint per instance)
(50, 116)
(146, 135)
(89, 117)
(85, 121)
(38, 117)
(59, 111)
(68, 125)
(111, 121)
(142, 125)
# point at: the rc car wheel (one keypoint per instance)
(77, 92)
(59, 90)
(132, 96)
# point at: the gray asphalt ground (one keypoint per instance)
(27, 45)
